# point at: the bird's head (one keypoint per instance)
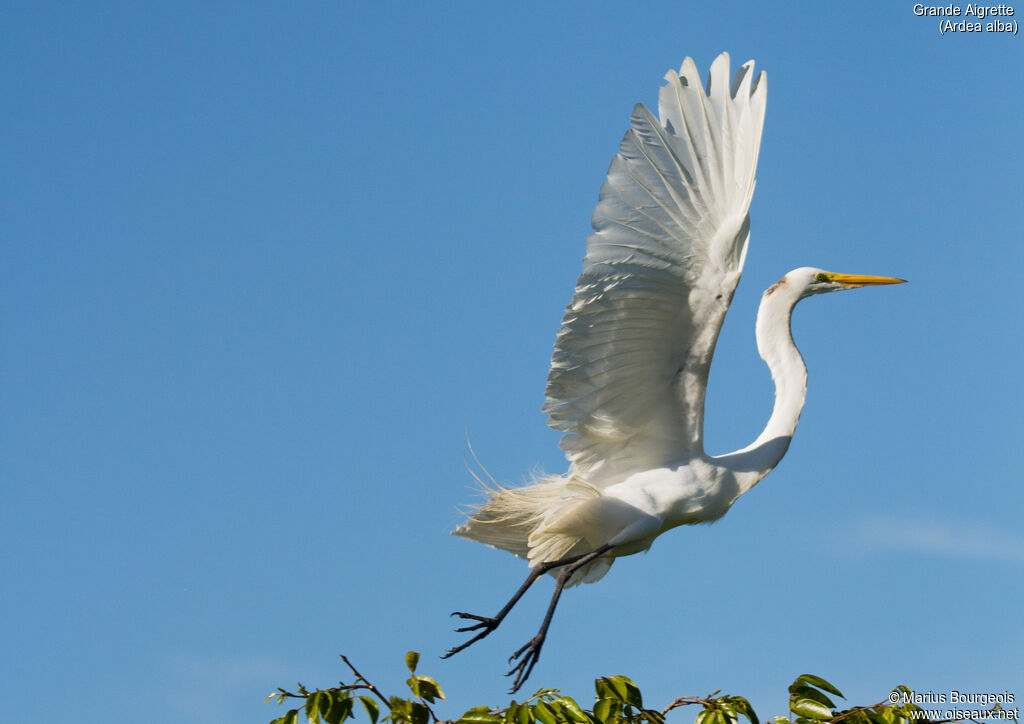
(806, 280)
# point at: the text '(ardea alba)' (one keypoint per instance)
(631, 360)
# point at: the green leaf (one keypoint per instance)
(571, 709)
(728, 712)
(820, 683)
(292, 717)
(428, 689)
(524, 715)
(654, 717)
(419, 713)
(626, 690)
(400, 710)
(479, 715)
(330, 709)
(313, 708)
(605, 709)
(544, 713)
(743, 707)
(805, 692)
(339, 708)
(411, 659)
(324, 700)
(809, 708)
(372, 710)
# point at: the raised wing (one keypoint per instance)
(631, 359)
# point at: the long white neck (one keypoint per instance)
(775, 344)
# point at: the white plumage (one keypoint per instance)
(631, 360)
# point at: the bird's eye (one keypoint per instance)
(821, 277)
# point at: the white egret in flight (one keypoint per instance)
(631, 360)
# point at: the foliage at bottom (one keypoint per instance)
(618, 701)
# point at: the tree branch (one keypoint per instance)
(369, 686)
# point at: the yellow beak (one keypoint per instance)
(852, 281)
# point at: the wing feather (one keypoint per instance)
(631, 359)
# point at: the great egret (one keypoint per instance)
(631, 360)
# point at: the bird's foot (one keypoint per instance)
(485, 624)
(526, 663)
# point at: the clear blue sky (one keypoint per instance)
(265, 264)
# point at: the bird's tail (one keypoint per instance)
(524, 521)
(509, 515)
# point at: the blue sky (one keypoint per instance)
(265, 265)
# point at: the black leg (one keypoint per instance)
(486, 624)
(489, 623)
(533, 646)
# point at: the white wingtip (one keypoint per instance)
(718, 76)
(743, 83)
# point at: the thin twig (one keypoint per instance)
(685, 701)
(856, 709)
(369, 686)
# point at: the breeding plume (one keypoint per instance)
(631, 360)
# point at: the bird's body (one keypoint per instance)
(560, 516)
(631, 360)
